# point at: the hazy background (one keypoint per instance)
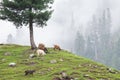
(60, 28)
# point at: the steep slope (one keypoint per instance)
(50, 66)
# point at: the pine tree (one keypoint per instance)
(79, 44)
(99, 35)
(26, 12)
(10, 39)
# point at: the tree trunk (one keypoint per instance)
(33, 46)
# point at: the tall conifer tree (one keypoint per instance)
(26, 12)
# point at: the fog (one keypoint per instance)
(60, 28)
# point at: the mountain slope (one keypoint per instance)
(50, 66)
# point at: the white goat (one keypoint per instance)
(40, 52)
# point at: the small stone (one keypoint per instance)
(7, 54)
(90, 65)
(3, 60)
(42, 73)
(63, 74)
(32, 55)
(56, 78)
(95, 66)
(109, 69)
(86, 75)
(61, 60)
(79, 65)
(102, 79)
(12, 64)
(75, 78)
(53, 61)
(25, 60)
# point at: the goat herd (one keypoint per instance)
(42, 50)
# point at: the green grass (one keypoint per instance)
(73, 65)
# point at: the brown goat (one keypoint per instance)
(42, 47)
(57, 47)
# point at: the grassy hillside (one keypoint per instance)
(77, 67)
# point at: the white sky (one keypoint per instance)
(58, 29)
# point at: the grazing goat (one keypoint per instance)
(42, 47)
(57, 47)
(29, 72)
(40, 52)
(45, 50)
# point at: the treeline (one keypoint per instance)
(99, 43)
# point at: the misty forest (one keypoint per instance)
(86, 28)
(99, 43)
